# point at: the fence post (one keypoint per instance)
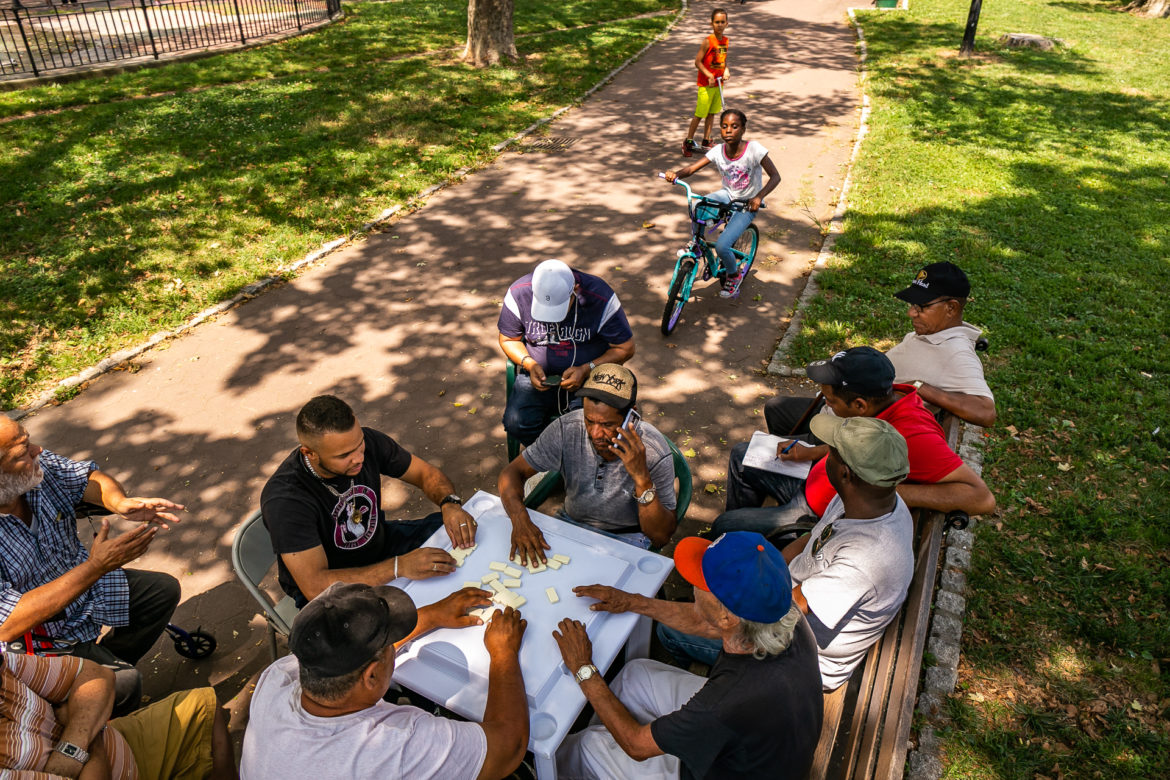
(149, 31)
(239, 21)
(297, 11)
(16, 15)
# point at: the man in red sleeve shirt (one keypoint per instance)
(858, 382)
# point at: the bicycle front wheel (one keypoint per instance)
(676, 299)
(745, 251)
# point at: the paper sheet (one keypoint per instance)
(761, 454)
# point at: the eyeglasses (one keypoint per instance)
(918, 309)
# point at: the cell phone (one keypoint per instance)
(632, 417)
(552, 381)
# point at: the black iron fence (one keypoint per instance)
(41, 39)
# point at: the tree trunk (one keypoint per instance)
(1156, 9)
(489, 33)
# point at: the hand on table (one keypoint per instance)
(460, 526)
(608, 599)
(451, 612)
(504, 632)
(148, 510)
(425, 562)
(528, 542)
(576, 649)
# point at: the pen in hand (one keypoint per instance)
(784, 451)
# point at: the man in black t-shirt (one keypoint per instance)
(759, 712)
(323, 507)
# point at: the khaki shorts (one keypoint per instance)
(172, 737)
(709, 102)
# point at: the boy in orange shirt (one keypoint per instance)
(711, 62)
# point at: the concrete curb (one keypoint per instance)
(286, 272)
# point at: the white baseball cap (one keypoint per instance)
(552, 290)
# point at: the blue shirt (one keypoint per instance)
(33, 555)
(594, 321)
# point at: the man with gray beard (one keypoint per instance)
(54, 594)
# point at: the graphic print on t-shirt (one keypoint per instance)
(737, 177)
(355, 518)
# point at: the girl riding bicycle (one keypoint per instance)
(741, 164)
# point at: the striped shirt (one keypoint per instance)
(29, 687)
(32, 555)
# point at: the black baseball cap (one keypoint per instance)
(862, 370)
(937, 280)
(348, 624)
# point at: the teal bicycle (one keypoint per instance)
(707, 214)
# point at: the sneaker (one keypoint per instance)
(689, 148)
(731, 286)
(708, 143)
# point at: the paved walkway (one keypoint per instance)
(402, 325)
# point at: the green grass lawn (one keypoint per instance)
(1046, 175)
(125, 217)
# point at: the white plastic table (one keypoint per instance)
(450, 666)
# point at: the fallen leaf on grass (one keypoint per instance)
(1064, 466)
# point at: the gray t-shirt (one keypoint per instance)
(597, 492)
(854, 574)
(946, 359)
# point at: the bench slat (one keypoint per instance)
(892, 759)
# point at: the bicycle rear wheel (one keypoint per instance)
(745, 251)
(676, 299)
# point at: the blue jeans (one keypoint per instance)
(687, 647)
(746, 490)
(529, 411)
(734, 228)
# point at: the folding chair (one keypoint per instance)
(252, 557)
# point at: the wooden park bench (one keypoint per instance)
(867, 721)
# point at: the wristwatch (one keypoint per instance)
(69, 750)
(451, 498)
(918, 383)
(592, 365)
(646, 497)
(585, 672)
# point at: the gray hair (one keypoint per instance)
(767, 639)
(332, 689)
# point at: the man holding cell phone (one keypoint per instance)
(556, 325)
(618, 469)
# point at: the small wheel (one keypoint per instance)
(745, 247)
(197, 644)
(676, 299)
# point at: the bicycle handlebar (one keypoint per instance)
(736, 205)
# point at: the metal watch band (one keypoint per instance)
(646, 497)
(69, 750)
(585, 672)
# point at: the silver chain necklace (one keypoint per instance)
(321, 479)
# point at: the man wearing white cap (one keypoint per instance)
(557, 324)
